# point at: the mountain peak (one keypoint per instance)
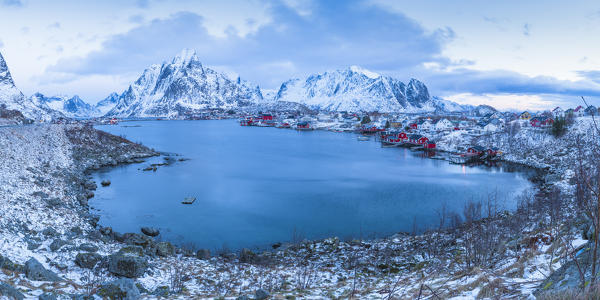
(185, 56)
(357, 69)
(5, 77)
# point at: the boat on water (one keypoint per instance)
(188, 200)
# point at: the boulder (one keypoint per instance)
(87, 260)
(123, 288)
(203, 254)
(128, 262)
(32, 245)
(149, 231)
(165, 249)
(247, 256)
(105, 182)
(261, 294)
(119, 237)
(54, 202)
(47, 296)
(132, 250)
(76, 230)
(34, 270)
(87, 247)
(106, 230)
(242, 297)
(137, 239)
(49, 231)
(7, 264)
(10, 292)
(57, 244)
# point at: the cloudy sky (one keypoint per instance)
(510, 54)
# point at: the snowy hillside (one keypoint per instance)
(13, 99)
(357, 89)
(108, 103)
(72, 107)
(443, 105)
(482, 110)
(182, 87)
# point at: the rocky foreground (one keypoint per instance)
(51, 247)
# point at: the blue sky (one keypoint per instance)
(509, 54)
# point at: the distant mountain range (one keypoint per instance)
(185, 87)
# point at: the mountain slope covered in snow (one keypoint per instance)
(357, 89)
(72, 107)
(12, 98)
(183, 87)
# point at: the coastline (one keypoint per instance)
(299, 261)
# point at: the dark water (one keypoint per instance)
(257, 186)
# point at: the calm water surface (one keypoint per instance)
(257, 186)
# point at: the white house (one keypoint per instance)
(425, 125)
(558, 112)
(443, 124)
(578, 112)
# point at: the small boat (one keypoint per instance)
(363, 138)
(188, 200)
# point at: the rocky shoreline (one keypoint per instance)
(52, 248)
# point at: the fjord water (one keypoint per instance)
(257, 186)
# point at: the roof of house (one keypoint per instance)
(415, 136)
(578, 108)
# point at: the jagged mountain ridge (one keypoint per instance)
(356, 89)
(182, 87)
(106, 104)
(72, 107)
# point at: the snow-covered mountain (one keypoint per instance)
(13, 99)
(443, 105)
(482, 110)
(108, 103)
(72, 107)
(182, 87)
(357, 89)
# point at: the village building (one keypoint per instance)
(525, 115)
(417, 139)
(541, 122)
(578, 111)
(590, 111)
(443, 124)
(558, 112)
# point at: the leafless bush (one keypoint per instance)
(178, 274)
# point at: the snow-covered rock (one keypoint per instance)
(108, 103)
(183, 87)
(72, 107)
(13, 99)
(357, 89)
(443, 105)
(482, 110)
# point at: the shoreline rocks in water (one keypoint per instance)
(105, 182)
(150, 231)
